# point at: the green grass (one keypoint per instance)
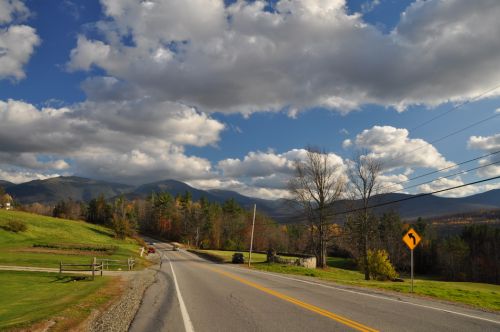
(47, 230)
(479, 295)
(343, 271)
(28, 297)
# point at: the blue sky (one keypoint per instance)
(97, 89)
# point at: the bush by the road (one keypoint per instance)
(379, 266)
(238, 258)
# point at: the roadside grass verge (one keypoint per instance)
(225, 256)
(484, 296)
(30, 297)
(48, 241)
(342, 271)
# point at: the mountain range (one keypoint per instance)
(52, 190)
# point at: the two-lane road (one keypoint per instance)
(191, 294)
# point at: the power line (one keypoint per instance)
(456, 107)
(448, 135)
(445, 177)
(440, 170)
(418, 196)
(465, 128)
(391, 202)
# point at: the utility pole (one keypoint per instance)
(251, 237)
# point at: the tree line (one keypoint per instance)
(325, 227)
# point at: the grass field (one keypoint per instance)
(29, 297)
(342, 271)
(18, 248)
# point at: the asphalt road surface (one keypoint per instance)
(192, 294)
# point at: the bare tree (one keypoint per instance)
(364, 177)
(317, 185)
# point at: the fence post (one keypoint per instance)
(60, 267)
(102, 267)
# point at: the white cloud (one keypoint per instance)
(347, 143)
(305, 54)
(17, 44)
(394, 149)
(242, 188)
(263, 164)
(133, 141)
(20, 176)
(264, 174)
(449, 183)
(488, 144)
(11, 10)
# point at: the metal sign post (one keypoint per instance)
(411, 239)
(411, 270)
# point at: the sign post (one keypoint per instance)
(411, 239)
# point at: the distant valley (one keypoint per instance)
(52, 190)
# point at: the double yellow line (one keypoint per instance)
(313, 308)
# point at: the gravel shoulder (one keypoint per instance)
(119, 315)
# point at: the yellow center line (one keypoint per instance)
(310, 307)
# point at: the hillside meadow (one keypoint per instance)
(48, 241)
(32, 299)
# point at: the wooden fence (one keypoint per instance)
(129, 263)
(97, 265)
(92, 267)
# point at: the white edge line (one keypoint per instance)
(361, 293)
(188, 326)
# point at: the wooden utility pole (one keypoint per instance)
(251, 237)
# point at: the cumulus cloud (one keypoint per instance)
(241, 187)
(11, 10)
(131, 141)
(20, 176)
(264, 174)
(394, 148)
(443, 183)
(17, 42)
(303, 54)
(488, 144)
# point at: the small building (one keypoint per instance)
(6, 202)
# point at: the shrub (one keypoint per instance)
(238, 258)
(15, 226)
(379, 265)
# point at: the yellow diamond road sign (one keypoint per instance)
(411, 239)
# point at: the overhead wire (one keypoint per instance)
(458, 106)
(441, 169)
(303, 220)
(444, 177)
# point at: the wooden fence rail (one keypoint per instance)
(92, 267)
(129, 263)
(97, 265)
